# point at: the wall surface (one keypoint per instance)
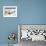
(29, 12)
(7, 25)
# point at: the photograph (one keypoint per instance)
(9, 11)
(28, 33)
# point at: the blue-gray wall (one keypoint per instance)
(29, 12)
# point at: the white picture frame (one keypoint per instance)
(32, 27)
(9, 11)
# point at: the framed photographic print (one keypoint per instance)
(9, 11)
(32, 32)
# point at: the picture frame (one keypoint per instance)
(9, 11)
(38, 30)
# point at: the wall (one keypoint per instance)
(7, 25)
(29, 12)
